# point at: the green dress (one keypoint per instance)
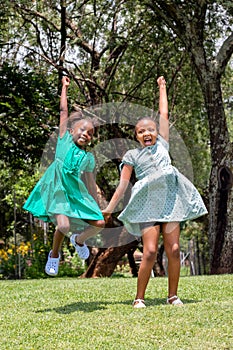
(61, 189)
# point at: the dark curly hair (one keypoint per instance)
(146, 118)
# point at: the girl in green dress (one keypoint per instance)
(61, 195)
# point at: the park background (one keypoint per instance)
(113, 52)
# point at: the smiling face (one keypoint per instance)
(82, 132)
(146, 132)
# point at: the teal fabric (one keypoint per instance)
(61, 189)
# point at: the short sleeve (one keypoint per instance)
(91, 163)
(127, 159)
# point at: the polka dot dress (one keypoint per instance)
(161, 193)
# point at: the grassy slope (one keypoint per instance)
(97, 314)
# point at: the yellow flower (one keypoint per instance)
(3, 255)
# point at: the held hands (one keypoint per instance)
(107, 216)
(65, 81)
(161, 81)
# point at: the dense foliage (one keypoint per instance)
(113, 51)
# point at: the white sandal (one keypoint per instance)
(139, 303)
(52, 265)
(176, 301)
(82, 250)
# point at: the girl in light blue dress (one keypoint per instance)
(160, 200)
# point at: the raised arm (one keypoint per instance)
(64, 106)
(120, 191)
(163, 109)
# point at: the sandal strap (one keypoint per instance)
(138, 301)
(176, 301)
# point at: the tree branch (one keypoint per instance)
(37, 14)
(77, 37)
(224, 55)
(168, 14)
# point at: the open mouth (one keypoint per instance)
(148, 141)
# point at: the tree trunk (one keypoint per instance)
(105, 261)
(132, 263)
(221, 219)
(158, 268)
(220, 186)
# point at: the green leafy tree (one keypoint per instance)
(27, 118)
(114, 52)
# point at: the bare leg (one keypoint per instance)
(95, 227)
(150, 239)
(63, 227)
(171, 235)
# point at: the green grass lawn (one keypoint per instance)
(71, 313)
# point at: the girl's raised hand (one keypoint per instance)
(161, 81)
(65, 81)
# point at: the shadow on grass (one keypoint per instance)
(92, 306)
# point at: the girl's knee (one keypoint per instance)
(101, 223)
(98, 223)
(63, 224)
(150, 254)
(63, 228)
(174, 251)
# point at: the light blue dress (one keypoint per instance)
(61, 189)
(162, 193)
